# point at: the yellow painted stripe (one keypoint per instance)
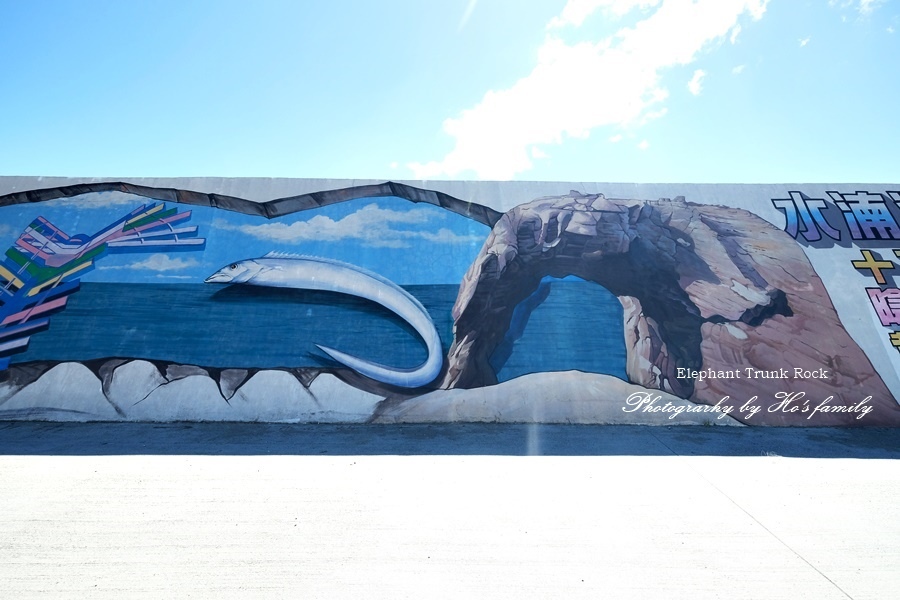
(155, 209)
(10, 276)
(58, 278)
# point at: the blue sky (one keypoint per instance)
(579, 90)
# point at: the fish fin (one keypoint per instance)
(279, 254)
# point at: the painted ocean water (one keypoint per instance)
(239, 326)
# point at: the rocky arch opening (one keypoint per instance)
(661, 324)
(548, 332)
(634, 251)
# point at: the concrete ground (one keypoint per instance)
(447, 511)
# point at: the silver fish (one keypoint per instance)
(314, 273)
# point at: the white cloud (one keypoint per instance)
(576, 11)
(653, 114)
(156, 262)
(644, 145)
(890, 29)
(867, 6)
(734, 33)
(445, 236)
(804, 41)
(102, 200)
(616, 138)
(738, 69)
(372, 225)
(695, 85)
(578, 87)
(863, 7)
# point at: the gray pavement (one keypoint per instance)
(447, 511)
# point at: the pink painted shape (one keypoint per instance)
(24, 315)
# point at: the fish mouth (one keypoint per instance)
(218, 277)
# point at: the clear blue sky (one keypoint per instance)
(584, 90)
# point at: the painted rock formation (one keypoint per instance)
(139, 390)
(703, 288)
(118, 389)
(560, 397)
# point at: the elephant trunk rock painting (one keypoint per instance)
(703, 288)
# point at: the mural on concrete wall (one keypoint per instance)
(388, 303)
(44, 266)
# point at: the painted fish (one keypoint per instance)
(314, 273)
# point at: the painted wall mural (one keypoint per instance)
(163, 300)
(44, 266)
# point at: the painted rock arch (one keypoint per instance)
(704, 288)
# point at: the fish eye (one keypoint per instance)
(233, 266)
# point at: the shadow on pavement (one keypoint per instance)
(247, 439)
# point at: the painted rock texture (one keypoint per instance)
(140, 390)
(704, 288)
(559, 397)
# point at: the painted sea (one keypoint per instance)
(578, 326)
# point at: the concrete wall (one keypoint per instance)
(360, 301)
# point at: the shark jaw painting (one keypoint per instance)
(323, 274)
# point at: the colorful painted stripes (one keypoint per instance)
(43, 267)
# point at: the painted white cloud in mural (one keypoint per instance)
(157, 262)
(445, 236)
(101, 200)
(494, 138)
(372, 225)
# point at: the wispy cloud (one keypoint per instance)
(102, 200)
(445, 236)
(863, 7)
(644, 145)
(738, 69)
(804, 41)
(578, 87)
(695, 85)
(576, 11)
(155, 262)
(615, 138)
(866, 7)
(372, 225)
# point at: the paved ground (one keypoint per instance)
(447, 511)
